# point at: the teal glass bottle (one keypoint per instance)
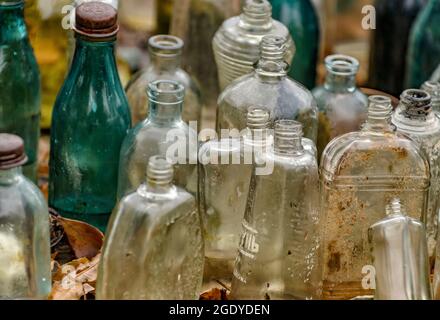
(424, 45)
(302, 21)
(19, 83)
(90, 120)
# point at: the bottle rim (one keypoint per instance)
(341, 64)
(165, 45)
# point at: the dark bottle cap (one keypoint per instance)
(96, 20)
(11, 151)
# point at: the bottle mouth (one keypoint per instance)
(257, 8)
(416, 102)
(258, 118)
(166, 46)
(342, 65)
(166, 92)
(273, 48)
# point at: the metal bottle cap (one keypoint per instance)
(96, 20)
(12, 153)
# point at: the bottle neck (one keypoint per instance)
(167, 64)
(415, 109)
(256, 17)
(159, 179)
(12, 24)
(257, 137)
(379, 115)
(288, 138)
(164, 113)
(341, 73)
(10, 176)
(271, 65)
(340, 83)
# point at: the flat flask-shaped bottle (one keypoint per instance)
(278, 251)
(360, 173)
(165, 58)
(25, 271)
(268, 86)
(154, 245)
(342, 106)
(415, 118)
(236, 44)
(156, 135)
(433, 88)
(400, 256)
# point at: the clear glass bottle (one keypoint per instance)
(342, 106)
(90, 120)
(436, 75)
(301, 19)
(415, 118)
(360, 173)
(156, 135)
(400, 256)
(155, 235)
(25, 271)
(278, 250)
(20, 91)
(165, 57)
(224, 176)
(424, 45)
(237, 42)
(433, 88)
(270, 87)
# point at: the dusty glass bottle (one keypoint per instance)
(415, 118)
(158, 135)
(236, 43)
(301, 19)
(90, 120)
(155, 236)
(433, 88)
(268, 86)
(278, 250)
(342, 106)
(19, 83)
(225, 169)
(165, 56)
(400, 256)
(424, 45)
(24, 228)
(360, 173)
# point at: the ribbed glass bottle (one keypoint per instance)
(154, 246)
(236, 43)
(360, 173)
(270, 87)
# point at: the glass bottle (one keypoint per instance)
(268, 86)
(158, 135)
(433, 88)
(389, 42)
(400, 256)
(165, 56)
(415, 118)
(278, 250)
(360, 173)
(424, 45)
(225, 173)
(155, 235)
(20, 91)
(342, 106)
(436, 75)
(24, 228)
(302, 21)
(236, 44)
(90, 120)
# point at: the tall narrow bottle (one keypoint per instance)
(268, 86)
(415, 118)
(433, 88)
(90, 120)
(278, 251)
(236, 43)
(24, 228)
(162, 133)
(360, 173)
(154, 246)
(301, 19)
(342, 106)
(19, 83)
(165, 56)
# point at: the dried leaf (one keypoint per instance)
(214, 294)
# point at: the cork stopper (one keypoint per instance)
(96, 20)
(12, 153)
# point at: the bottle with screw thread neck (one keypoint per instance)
(278, 250)
(154, 233)
(433, 88)
(163, 133)
(165, 53)
(342, 106)
(236, 43)
(268, 86)
(415, 118)
(225, 168)
(360, 173)
(400, 256)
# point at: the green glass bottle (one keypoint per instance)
(424, 45)
(19, 83)
(302, 21)
(91, 119)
